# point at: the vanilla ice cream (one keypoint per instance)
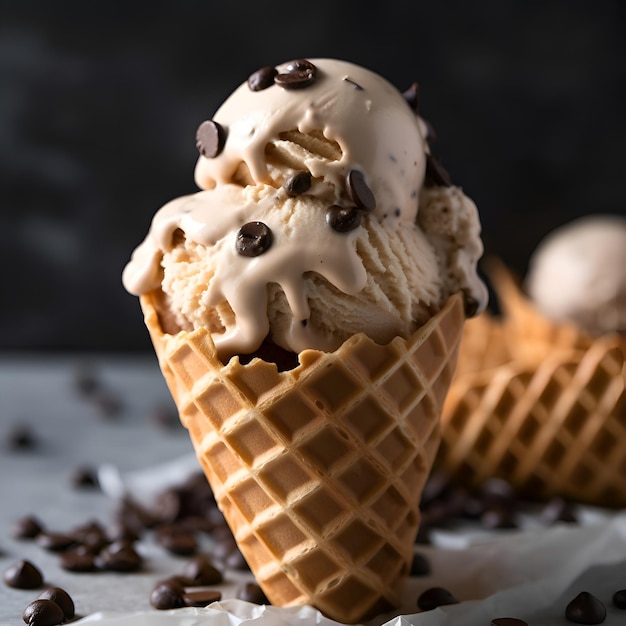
(578, 274)
(321, 215)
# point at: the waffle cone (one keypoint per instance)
(550, 419)
(319, 470)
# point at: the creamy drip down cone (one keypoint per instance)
(306, 307)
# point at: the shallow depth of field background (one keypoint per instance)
(100, 101)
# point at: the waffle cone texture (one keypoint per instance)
(539, 404)
(319, 470)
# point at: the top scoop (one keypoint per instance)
(322, 215)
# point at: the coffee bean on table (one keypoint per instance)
(585, 608)
(343, 219)
(43, 613)
(78, 560)
(619, 599)
(62, 598)
(23, 575)
(27, 527)
(434, 597)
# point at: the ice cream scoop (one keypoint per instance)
(321, 215)
(578, 274)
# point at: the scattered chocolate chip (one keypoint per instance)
(585, 608)
(43, 613)
(201, 597)
(62, 598)
(508, 621)
(27, 527)
(177, 540)
(436, 174)
(167, 595)
(434, 597)
(558, 510)
(619, 599)
(251, 592)
(119, 557)
(23, 575)
(92, 536)
(343, 219)
(54, 542)
(200, 571)
(262, 78)
(84, 478)
(300, 73)
(412, 96)
(21, 438)
(210, 139)
(356, 85)
(298, 183)
(359, 191)
(419, 565)
(78, 560)
(253, 239)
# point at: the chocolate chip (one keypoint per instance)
(436, 174)
(54, 542)
(412, 96)
(434, 597)
(201, 597)
(253, 239)
(23, 575)
(167, 595)
(585, 608)
(119, 557)
(43, 613)
(419, 565)
(27, 527)
(21, 437)
(62, 598)
(262, 78)
(210, 139)
(251, 592)
(298, 183)
(359, 191)
(508, 621)
(299, 73)
(619, 599)
(78, 560)
(200, 571)
(343, 219)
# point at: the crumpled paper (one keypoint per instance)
(529, 574)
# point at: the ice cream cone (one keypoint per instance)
(319, 470)
(550, 419)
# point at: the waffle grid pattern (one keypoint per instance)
(319, 471)
(551, 420)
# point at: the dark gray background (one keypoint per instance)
(99, 103)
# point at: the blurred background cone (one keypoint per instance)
(319, 470)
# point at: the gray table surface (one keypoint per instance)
(71, 431)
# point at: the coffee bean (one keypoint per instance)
(62, 598)
(210, 139)
(585, 608)
(343, 219)
(251, 592)
(23, 575)
(419, 565)
(167, 595)
(27, 527)
(43, 613)
(359, 191)
(508, 621)
(54, 542)
(619, 599)
(412, 96)
(253, 239)
(201, 571)
(262, 78)
(298, 183)
(436, 174)
(201, 597)
(300, 73)
(434, 597)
